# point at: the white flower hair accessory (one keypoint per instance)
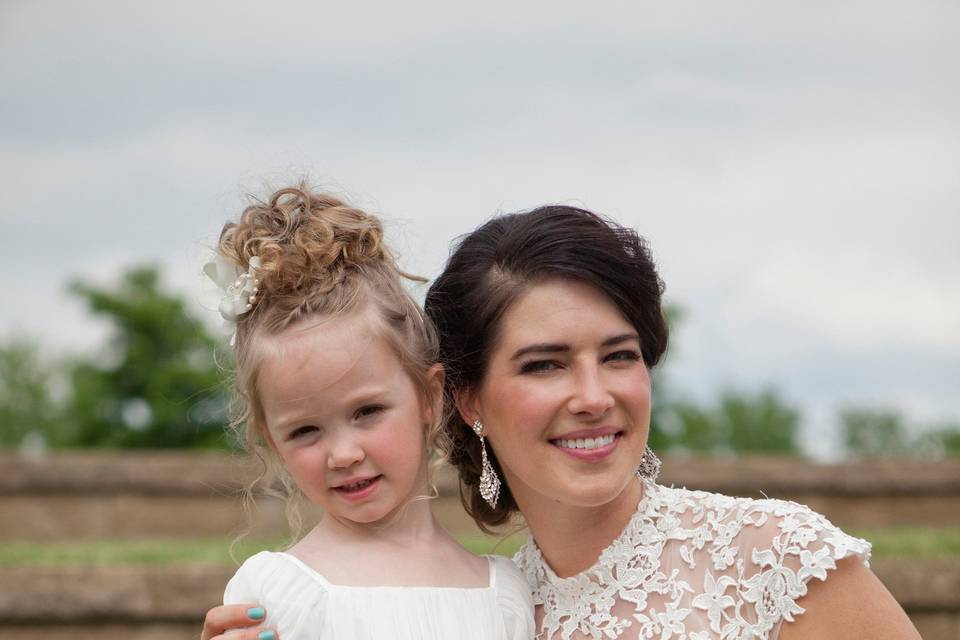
(239, 288)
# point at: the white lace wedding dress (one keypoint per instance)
(692, 565)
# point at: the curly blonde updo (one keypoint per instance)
(318, 257)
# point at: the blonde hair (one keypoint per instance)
(318, 257)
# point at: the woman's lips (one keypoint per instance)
(358, 490)
(590, 449)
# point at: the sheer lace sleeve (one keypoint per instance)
(782, 555)
(692, 565)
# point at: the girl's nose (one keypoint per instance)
(345, 452)
(590, 398)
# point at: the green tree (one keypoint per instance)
(760, 422)
(739, 422)
(948, 438)
(26, 404)
(871, 432)
(156, 384)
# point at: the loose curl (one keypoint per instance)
(489, 269)
(319, 257)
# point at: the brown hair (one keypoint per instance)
(318, 257)
(490, 268)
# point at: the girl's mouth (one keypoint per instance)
(358, 490)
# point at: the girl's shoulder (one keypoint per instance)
(274, 574)
(295, 598)
(507, 579)
(514, 598)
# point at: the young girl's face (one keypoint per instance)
(344, 416)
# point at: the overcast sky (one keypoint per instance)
(794, 167)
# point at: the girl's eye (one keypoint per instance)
(367, 410)
(626, 355)
(302, 431)
(539, 366)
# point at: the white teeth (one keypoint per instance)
(587, 443)
(356, 485)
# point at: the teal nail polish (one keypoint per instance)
(256, 613)
(266, 635)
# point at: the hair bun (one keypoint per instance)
(305, 240)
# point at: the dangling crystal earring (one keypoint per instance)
(489, 482)
(649, 467)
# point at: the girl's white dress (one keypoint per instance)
(692, 565)
(301, 604)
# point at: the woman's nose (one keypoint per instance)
(345, 451)
(590, 397)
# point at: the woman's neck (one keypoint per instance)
(571, 538)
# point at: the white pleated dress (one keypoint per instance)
(302, 605)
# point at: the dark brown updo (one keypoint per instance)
(490, 268)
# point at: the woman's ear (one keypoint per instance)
(433, 407)
(467, 401)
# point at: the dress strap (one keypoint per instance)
(492, 564)
(305, 568)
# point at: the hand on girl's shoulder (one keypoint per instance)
(294, 599)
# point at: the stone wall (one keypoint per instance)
(70, 496)
(95, 494)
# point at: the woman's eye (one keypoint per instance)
(627, 355)
(302, 431)
(538, 366)
(367, 410)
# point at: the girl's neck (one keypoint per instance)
(572, 538)
(407, 525)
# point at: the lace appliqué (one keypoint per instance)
(738, 567)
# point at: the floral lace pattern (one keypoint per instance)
(692, 565)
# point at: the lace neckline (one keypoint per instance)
(536, 554)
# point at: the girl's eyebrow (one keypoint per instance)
(549, 347)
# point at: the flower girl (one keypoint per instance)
(338, 389)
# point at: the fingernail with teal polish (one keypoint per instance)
(267, 635)
(256, 613)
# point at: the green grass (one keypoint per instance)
(893, 542)
(900, 542)
(180, 550)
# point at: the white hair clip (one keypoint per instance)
(239, 289)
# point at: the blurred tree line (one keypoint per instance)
(157, 384)
(154, 384)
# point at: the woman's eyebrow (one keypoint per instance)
(543, 347)
(624, 337)
(550, 347)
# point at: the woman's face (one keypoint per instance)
(565, 401)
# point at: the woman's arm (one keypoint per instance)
(851, 603)
(236, 616)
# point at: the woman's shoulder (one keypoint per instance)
(766, 522)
